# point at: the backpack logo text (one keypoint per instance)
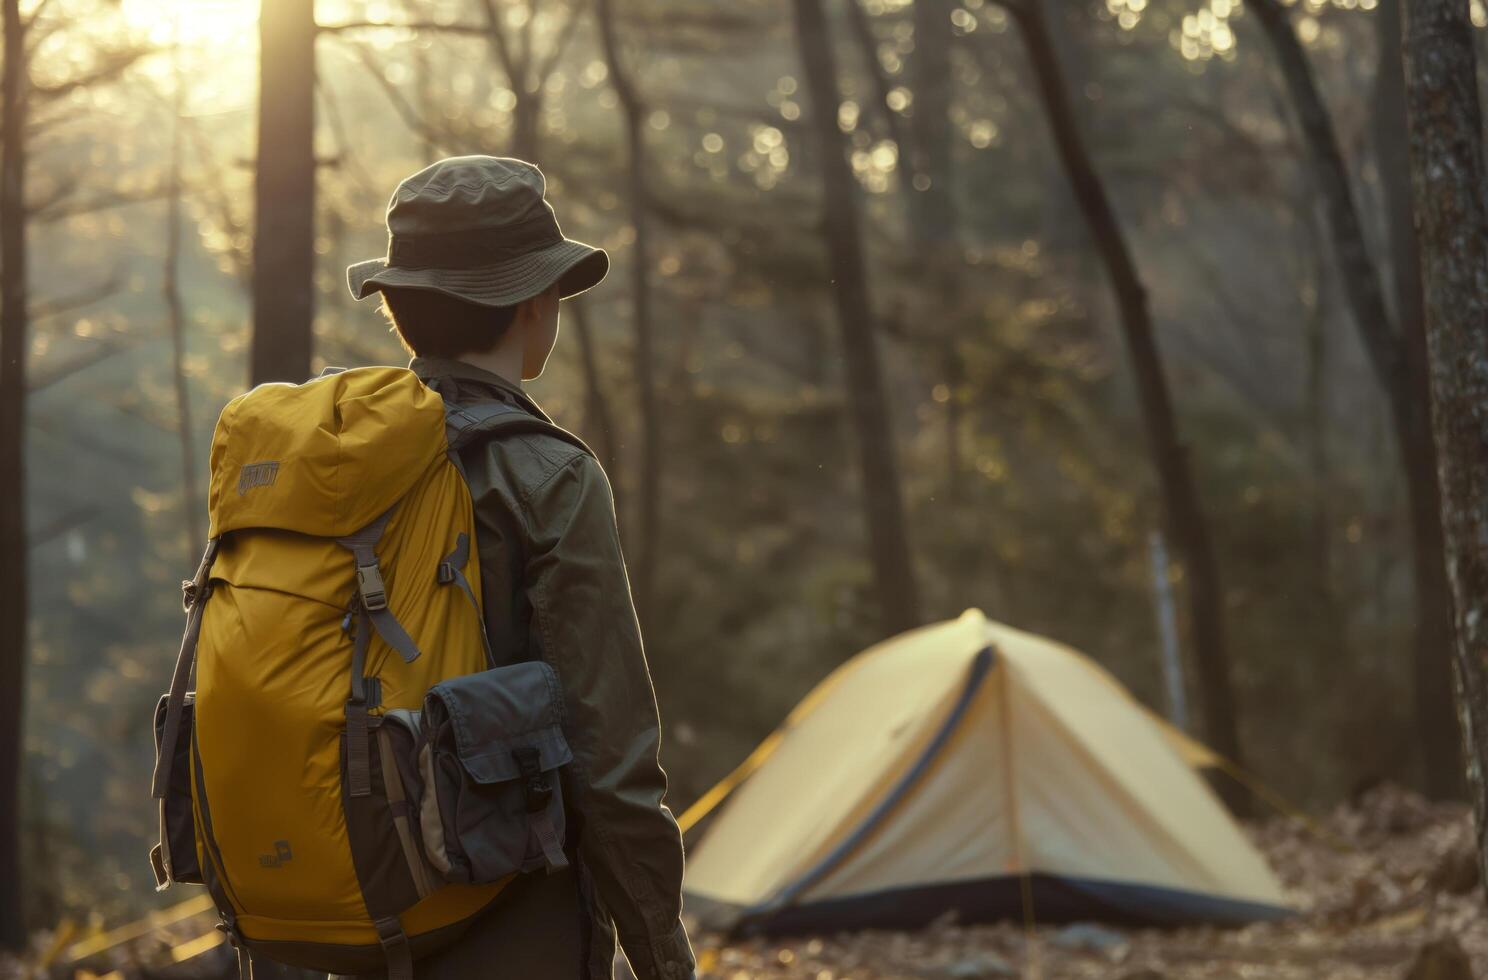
(254, 475)
(281, 856)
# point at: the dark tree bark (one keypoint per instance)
(1434, 634)
(1332, 633)
(284, 195)
(932, 207)
(598, 419)
(176, 319)
(926, 175)
(1392, 156)
(1187, 527)
(1397, 357)
(13, 550)
(648, 483)
(888, 536)
(1446, 146)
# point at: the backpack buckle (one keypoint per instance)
(534, 783)
(369, 584)
(192, 593)
(446, 573)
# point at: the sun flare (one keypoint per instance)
(200, 21)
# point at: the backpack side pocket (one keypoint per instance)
(398, 745)
(174, 858)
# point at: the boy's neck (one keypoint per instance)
(504, 360)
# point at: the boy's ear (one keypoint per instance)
(525, 311)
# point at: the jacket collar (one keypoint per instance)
(469, 376)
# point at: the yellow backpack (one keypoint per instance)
(352, 778)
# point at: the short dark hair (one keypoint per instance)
(435, 324)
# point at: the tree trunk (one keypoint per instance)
(514, 56)
(888, 536)
(526, 128)
(955, 379)
(1452, 223)
(284, 194)
(1187, 527)
(1332, 632)
(598, 419)
(1433, 683)
(648, 484)
(1397, 356)
(862, 29)
(933, 210)
(932, 207)
(176, 316)
(13, 550)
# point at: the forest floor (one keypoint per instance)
(1375, 881)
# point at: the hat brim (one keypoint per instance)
(573, 265)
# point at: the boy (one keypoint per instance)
(475, 270)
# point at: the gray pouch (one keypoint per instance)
(491, 802)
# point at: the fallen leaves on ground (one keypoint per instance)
(1373, 882)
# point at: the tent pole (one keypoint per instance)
(981, 665)
(1015, 828)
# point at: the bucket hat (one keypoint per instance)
(480, 229)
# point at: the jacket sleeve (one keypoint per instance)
(586, 628)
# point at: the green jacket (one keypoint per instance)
(554, 587)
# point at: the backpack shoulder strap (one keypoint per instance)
(468, 425)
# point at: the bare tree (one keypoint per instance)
(888, 119)
(22, 102)
(1446, 145)
(598, 419)
(1187, 525)
(522, 54)
(932, 209)
(13, 551)
(284, 194)
(527, 68)
(1397, 355)
(648, 483)
(883, 498)
(175, 313)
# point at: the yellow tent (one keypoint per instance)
(975, 767)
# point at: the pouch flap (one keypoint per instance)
(495, 711)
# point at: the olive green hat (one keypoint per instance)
(478, 228)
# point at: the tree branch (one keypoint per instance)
(56, 211)
(565, 34)
(59, 526)
(76, 300)
(433, 27)
(101, 352)
(501, 46)
(401, 105)
(109, 66)
(338, 133)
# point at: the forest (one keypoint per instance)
(1108, 318)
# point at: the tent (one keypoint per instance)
(972, 766)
